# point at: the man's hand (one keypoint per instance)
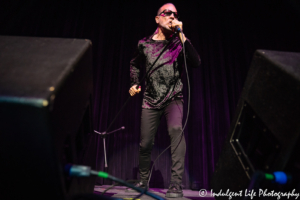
(133, 90)
(175, 22)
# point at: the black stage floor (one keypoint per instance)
(119, 192)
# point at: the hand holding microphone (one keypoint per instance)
(177, 26)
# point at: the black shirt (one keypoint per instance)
(163, 83)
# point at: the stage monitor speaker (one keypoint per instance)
(45, 117)
(266, 127)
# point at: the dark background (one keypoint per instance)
(225, 34)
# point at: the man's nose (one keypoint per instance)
(172, 16)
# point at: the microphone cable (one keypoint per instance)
(188, 110)
(145, 76)
(186, 120)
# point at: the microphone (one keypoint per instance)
(176, 28)
(179, 31)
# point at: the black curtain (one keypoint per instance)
(225, 33)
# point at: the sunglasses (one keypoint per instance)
(168, 12)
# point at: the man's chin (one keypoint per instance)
(168, 30)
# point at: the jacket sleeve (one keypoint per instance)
(135, 66)
(192, 56)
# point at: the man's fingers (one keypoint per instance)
(132, 93)
(133, 90)
(175, 22)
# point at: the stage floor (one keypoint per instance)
(119, 192)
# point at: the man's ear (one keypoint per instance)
(156, 19)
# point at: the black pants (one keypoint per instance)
(149, 123)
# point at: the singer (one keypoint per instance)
(163, 93)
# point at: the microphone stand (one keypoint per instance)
(103, 135)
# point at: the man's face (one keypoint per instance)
(166, 21)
